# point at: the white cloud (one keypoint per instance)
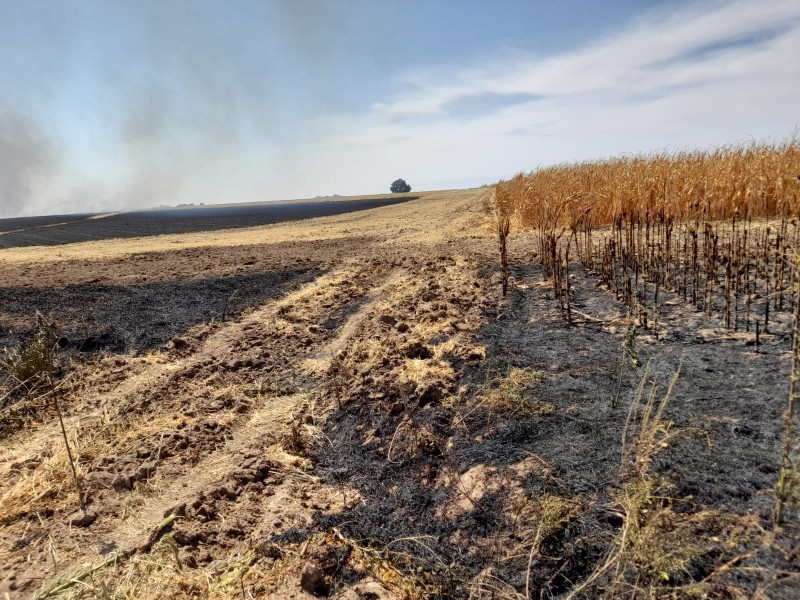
(608, 64)
(717, 74)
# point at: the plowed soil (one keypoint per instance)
(348, 407)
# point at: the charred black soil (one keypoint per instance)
(68, 229)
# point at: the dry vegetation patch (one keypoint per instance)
(515, 393)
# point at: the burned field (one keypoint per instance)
(357, 411)
(68, 229)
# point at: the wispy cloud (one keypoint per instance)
(708, 74)
(698, 45)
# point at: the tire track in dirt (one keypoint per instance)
(226, 360)
(322, 359)
(273, 409)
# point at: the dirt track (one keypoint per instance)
(318, 399)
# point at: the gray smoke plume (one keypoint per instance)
(159, 102)
(26, 157)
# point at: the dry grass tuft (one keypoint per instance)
(412, 577)
(35, 481)
(161, 573)
(422, 370)
(546, 516)
(514, 394)
(301, 306)
(657, 550)
(32, 362)
(646, 431)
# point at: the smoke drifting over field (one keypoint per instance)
(177, 108)
(26, 156)
(183, 105)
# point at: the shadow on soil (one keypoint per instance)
(138, 318)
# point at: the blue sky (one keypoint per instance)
(118, 105)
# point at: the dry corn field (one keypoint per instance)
(719, 229)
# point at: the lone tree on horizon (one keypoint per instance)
(399, 186)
